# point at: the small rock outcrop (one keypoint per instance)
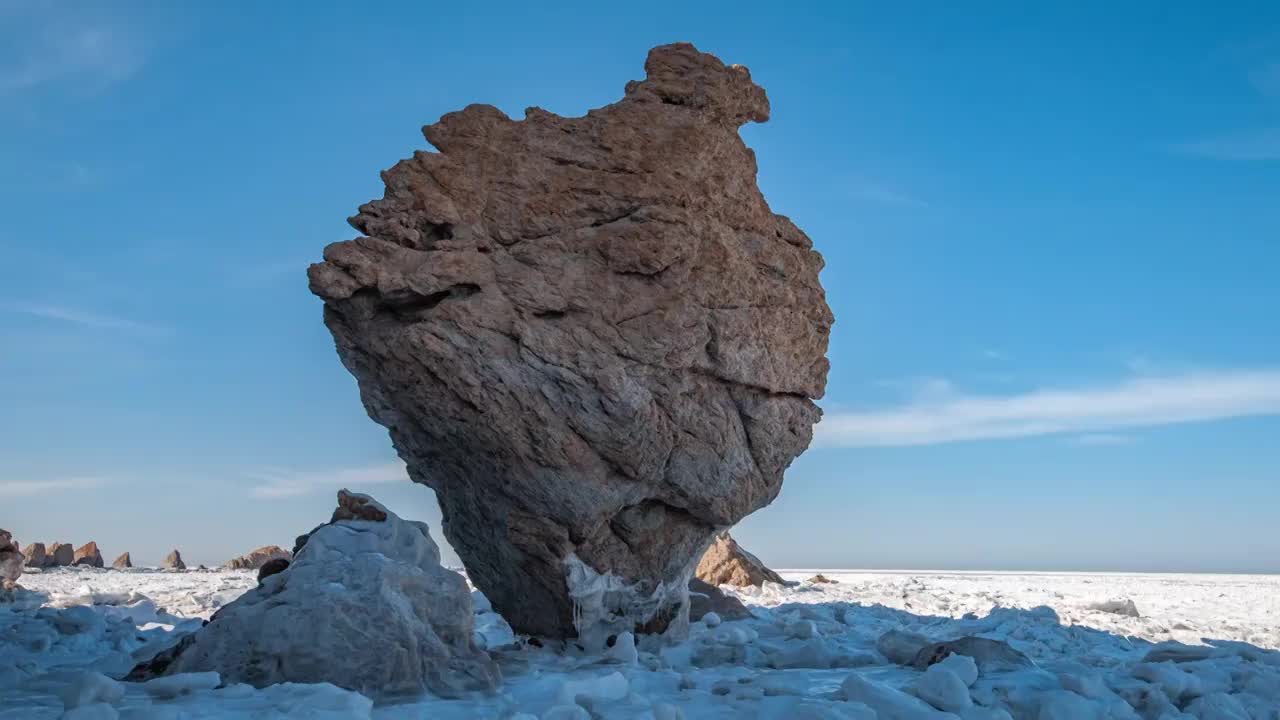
(37, 556)
(123, 562)
(88, 555)
(11, 559)
(61, 555)
(272, 567)
(705, 598)
(257, 558)
(591, 336)
(821, 579)
(727, 563)
(173, 561)
(365, 605)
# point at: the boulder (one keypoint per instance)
(989, 655)
(36, 556)
(123, 562)
(61, 555)
(821, 579)
(88, 555)
(590, 336)
(11, 559)
(365, 605)
(271, 567)
(257, 558)
(727, 563)
(705, 598)
(173, 561)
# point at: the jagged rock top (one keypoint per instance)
(592, 336)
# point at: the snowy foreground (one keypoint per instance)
(1200, 646)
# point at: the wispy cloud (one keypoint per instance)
(27, 488)
(51, 44)
(1140, 402)
(1253, 145)
(882, 194)
(279, 483)
(85, 318)
(1101, 439)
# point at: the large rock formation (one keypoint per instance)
(727, 563)
(37, 556)
(88, 555)
(123, 562)
(61, 555)
(173, 561)
(11, 559)
(365, 605)
(591, 336)
(257, 558)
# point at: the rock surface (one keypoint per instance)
(727, 563)
(11, 559)
(61, 555)
(272, 567)
(821, 579)
(88, 555)
(173, 561)
(380, 614)
(36, 555)
(123, 562)
(257, 558)
(704, 598)
(591, 336)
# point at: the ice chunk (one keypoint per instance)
(89, 688)
(1066, 705)
(942, 688)
(711, 620)
(613, 686)
(566, 712)
(901, 647)
(667, 711)
(96, 711)
(167, 688)
(623, 650)
(889, 703)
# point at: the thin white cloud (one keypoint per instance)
(50, 45)
(27, 488)
(1140, 402)
(1252, 145)
(278, 483)
(85, 318)
(882, 194)
(1101, 439)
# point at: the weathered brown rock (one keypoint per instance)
(88, 555)
(123, 562)
(257, 558)
(271, 567)
(821, 579)
(173, 561)
(591, 336)
(61, 555)
(727, 563)
(705, 598)
(36, 555)
(11, 558)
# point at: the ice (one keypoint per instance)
(1201, 648)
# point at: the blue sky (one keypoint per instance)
(1052, 242)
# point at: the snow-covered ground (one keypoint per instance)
(810, 652)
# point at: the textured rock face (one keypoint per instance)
(257, 558)
(727, 563)
(591, 336)
(365, 605)
(272, 567)
(61, 555)
(11, 559)
(36, 555)
(123, 562)
(88, 555)
(173, 561)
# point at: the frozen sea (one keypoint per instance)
(1089, 645)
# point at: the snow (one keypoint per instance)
(1079, 645)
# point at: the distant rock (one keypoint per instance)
(272, 567)
(173, 561)
(1124, 607)
(123, 562)
(36, 555)
(591, 336)
(11, 559)
(821, 579)
(88, 555)
(61, 555)
(257, 558)
(366, 606)
(727, 563)
(705, 598)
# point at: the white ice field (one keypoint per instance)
(1200, 646)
